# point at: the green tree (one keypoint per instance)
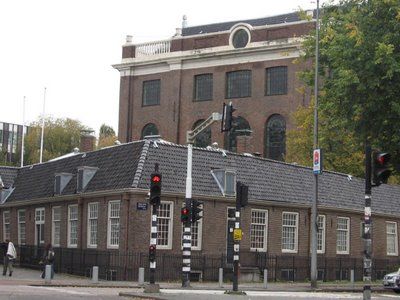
(61, 136)
(360, 72)
(107, 136)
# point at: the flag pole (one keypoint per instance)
(23, 133)
(41, 139)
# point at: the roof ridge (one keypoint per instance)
(140, 166)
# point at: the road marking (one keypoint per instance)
(63, 290)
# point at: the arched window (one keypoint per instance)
(149, 129)
(204, 138)
(275, 136)
(242, 127)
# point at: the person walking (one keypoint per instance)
(9, 258)
(48, 259)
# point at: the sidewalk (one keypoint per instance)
(22, 276)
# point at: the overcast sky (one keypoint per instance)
(69, 47)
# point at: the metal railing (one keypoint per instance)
(114, 265)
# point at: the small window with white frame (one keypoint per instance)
(258, 230)
(196, 231)
(39, 225)
(391, 239)
(73, 226)
(290, 228)
(21, 227)
(56, 226)
(321, 234)
(343, 235)
(113, 224)
(93, 213)
(6, 225)
(164, 225)
(226, 180)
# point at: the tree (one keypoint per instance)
(61, 136)
(107, 136)
(360, 72)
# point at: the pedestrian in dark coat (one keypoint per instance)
(48, 259)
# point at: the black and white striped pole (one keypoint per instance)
(367, 260)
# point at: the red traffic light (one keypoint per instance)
(156, 178)
(185, 214)
(380, 167)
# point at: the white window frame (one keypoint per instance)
(109, 221)
(73, 221)
(21, 225)
(347, 231)
(55, 221)
(40, 218)
(392, 235)
(321, 233)
(199, 226)
(6, 225)
(170, 225)
(265, 229)
(92, 216)
(296, 232)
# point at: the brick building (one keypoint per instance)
(169, 86)
(97, 201)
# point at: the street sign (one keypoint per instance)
(317, 161)
(141, 206)
(237, 234)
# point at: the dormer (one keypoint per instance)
(4, 192)
(226, 180)
(60, 182)
(85, 174)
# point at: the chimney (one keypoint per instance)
(87, 140)
(244, 144)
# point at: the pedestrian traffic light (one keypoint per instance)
(155, 188)
(242, 192)
(152, 253)
(380, 167)
(196, 210)
(227, 118)
(185, 214)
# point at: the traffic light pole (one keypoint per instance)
(236, 242)
(367, 260)
(187, 231)
(153, 242)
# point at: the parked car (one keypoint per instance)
(392, 281)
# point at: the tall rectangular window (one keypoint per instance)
(113, 224)
(290, 223)
(93, 213)
(73, 226)
(6, 225)
(39, 226)
(238, 84)
(203, 87)
(321, 234)
(391, 239)
(343, 235)
(258, 230)
(21, 227)
(164, 225)
(56, 226)
(151, 92)
(276, 81)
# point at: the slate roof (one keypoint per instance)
(8, 175)
(130, 165)
(217, 27)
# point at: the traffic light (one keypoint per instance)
(185, 214)
(380, 167)
(242, 192)
(227, 118)
(152, 253)
(155, 188)
(196, 210)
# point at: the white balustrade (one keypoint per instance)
(152, 48)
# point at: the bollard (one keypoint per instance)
(221, 277)
(265, 278)
(352, 276)
(95, 274)
(141, 276)
(47, 274)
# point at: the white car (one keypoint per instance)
(392, 281)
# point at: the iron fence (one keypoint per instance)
(115, 265)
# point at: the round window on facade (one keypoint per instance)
(240, 38)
